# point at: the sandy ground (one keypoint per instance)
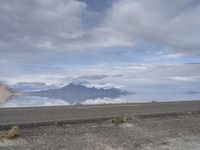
(161, 133)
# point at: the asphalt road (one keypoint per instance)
(31, 115)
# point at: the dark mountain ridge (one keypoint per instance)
(78, 93)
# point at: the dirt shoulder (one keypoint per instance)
(152, 133)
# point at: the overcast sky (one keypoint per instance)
(134, 44)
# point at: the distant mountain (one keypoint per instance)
(78, 93)
(6, 93)
(31, 86)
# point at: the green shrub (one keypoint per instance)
(13, 132)
(118, 120)
(77, 104)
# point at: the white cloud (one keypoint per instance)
(172, 24)
(28, 27)
(103, 101)
(195, 78)
(32, 31)
(35, 29)
(33, 101)
(167, 78)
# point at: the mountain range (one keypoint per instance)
(6, 93)
(78, 93)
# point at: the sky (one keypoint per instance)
(139, 45)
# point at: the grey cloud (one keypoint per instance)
(94, 77)
(31, 86)
(154, 76)
(173, 24)
(134, 77)
(40, 19)
(34, 30)
(85, 79)
(40, 28)
(37, 28)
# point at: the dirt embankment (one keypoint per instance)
(5, 93)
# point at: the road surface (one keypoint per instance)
(37, 115)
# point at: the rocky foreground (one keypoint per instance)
(147, 126)
(180, 132)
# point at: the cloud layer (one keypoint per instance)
(125, 43)
(47, 26)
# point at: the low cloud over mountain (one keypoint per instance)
(31, 86)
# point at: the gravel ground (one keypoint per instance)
(157, 133)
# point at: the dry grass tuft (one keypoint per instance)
(118, 120)
(13, 132)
